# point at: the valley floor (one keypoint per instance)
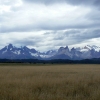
(49, 82)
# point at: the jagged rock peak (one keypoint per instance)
(66, 47)
(9, 47)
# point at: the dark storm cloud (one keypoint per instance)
(73, 2)
(92, 18)
(25, 42)
(29, 41)
(29, 28)
(72, 36)
(20, 21)
(83, 34)
(7, 29)
(72, 32)
(84, 2)
(97, 2)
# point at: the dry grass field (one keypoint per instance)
(49, 82)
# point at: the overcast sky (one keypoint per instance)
(49, 24)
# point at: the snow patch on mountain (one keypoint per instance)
(86, 52)
(17, 52)
(4, 51)
(34, 54)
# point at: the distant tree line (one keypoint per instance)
(54, 61)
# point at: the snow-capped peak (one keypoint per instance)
(88, 48)
(84, 52)
(94, 47)
(9, 47)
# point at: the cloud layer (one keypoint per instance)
(49, 24)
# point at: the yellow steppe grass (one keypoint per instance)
(50, 82)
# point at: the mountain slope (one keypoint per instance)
(86, 52)
(11, 52)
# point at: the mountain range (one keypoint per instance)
(75, 53)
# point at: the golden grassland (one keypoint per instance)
(49, 82)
